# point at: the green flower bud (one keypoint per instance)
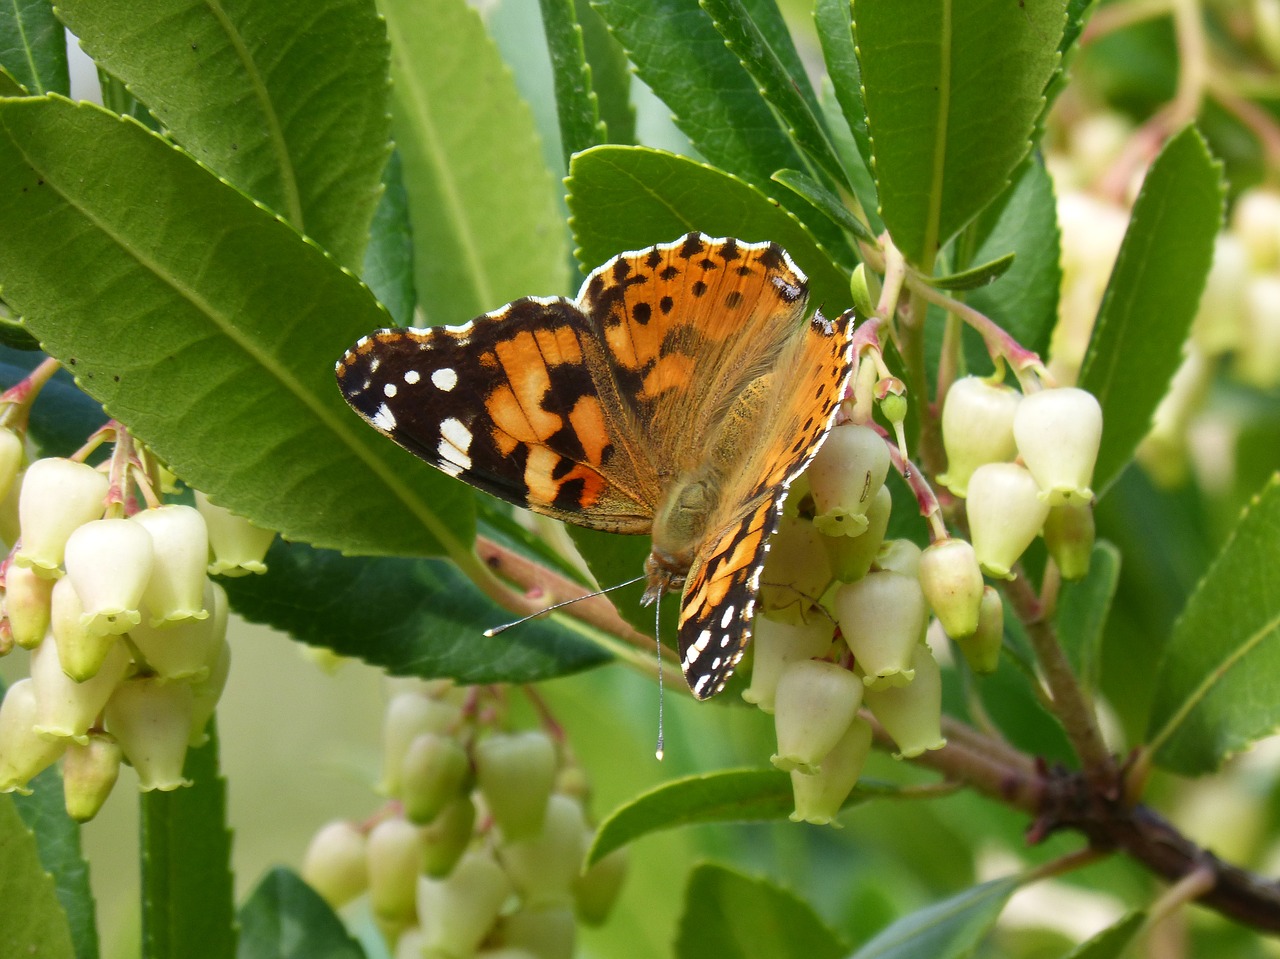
(24, 753)
(544, 867)
(777, 645)
(434, 773)
(89, 773)
(409, 715)
(796, 572)
(851, 556)
(394, 860)
(819, 796)
(457, 913)
(58, 495)
(912, 714)
(952, 584)
(176, 589)
(844, 478)
(336, 863)
(515, 773)
(597, 889)
(981, 649)
(977, 428)
(238, 546)
(81, 652)
(883, 617)
(27, 597)
(1005, 513)
(109, 562)
(152, 721)
(1069, 535)
(11, 451)
(447, 837)
(815, 703)
(862, 299)
(66, 708)
(185, 649)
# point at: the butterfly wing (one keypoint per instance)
(509, 404)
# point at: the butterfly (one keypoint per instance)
(678, 396)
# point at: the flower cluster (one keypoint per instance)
(843, 612)
(480, 848)
(126, 630)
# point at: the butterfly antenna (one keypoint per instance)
(657, 638)
(568, 602)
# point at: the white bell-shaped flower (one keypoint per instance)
(796, 571)
(1058, 434)
(408, 715)
(27, 601)
(844, 478)
(516, 773)
(778, 644)
(899, 556)
(851, 557)
(394, 862)
(977, 428)
(1259, 365)
(336, 863)
(818, 797)
(952, 584)
(176, 589)
(883, 617)
(81, 652)
(912, 714)
(68, 708)
(205, 694)
(543, 867)
(185, 649)
(58, 495)
(457, 912)
(434, 773)
(109, 562)
(238, 546)
(815, 702)
(1005, 513)
(1255, 219)
(24, 753)
(151, 720)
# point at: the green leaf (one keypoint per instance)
(788, 92)
(834, 22)
(576, 107)
(626, 198)
(806, 186)
(9, 87)
(284, 918)
(1215, 689)
(410, 617)
(734, 916)
(735, 795)
(610, 75)
(32, 922)
(187, 895)
(975, 277)
(1152, 296)
(388, 259)
(58, 839)
(1111, 942)
(1083, 608)
(287, 101)
(952, 93)
(33, 46)
(949, 929)
(209, 327)
(483, 205)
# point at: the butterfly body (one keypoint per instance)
(678, 395)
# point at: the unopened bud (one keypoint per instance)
(109, 562)
(409, 715)
(66, 708)
(58, 495)
(81, 652)
(778, 644)
(543, 867)
(152, 721)
(952, 584)
(1058, 433)
(394, 857)
(815, 702)
(89, 773)
(515, 773)
(447, 837)
(336, 863)
(977, 428)
(912, 714)
(457, 912)
(883, 617)
(818, 797)
(238, 546)
(981, 649)
(24, 753)
(433, 774)
(27, 597)
(844, 477)
(1005, 513)
(1069, 535)
(176, 589)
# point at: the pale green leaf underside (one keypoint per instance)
(948, 929)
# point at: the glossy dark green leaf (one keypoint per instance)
(1152, 296)
(952, 94)
(284, 918)
(187, 895)
(975, 277)
(950, 929)
(789, 93)
(58, 840)
(39, 926)
(1083, 608)
(825, 200)
(486, 222)
(610, 75)
(33, 46)
(209, 327)
(388, 259)
(409, 617)
(287, 101)
(834, 22)
(9, 87)
(734, 916)
(1215, 689)
(576, 106)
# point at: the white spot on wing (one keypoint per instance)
(455, 432)
(727, 618)
(412, 376)
(704, 638)
(444, 379)
(384, 419)
(388, 390)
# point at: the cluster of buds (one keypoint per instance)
(126, 631)
(480, 848)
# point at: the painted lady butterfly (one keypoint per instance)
(678, 395)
